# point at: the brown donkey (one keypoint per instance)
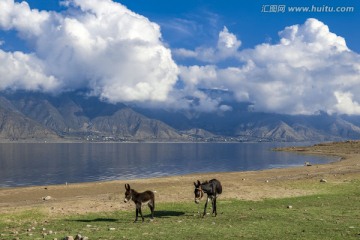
(140, 198)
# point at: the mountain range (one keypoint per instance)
(75, 116)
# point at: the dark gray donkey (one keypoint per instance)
(140, 198)
(212, 188)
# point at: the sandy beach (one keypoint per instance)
(253, 185)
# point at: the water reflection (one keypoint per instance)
(42, 164)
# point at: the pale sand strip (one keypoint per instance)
(252, 185)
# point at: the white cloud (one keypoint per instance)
(346, 104)
(310, 69)
(315, 34)
(24, 71)
(19, 16)
(100, 45)
(228, 44)
(119, 56)
(227, 47)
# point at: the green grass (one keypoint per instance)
(331, 215)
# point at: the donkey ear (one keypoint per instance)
(195, 184)
(127, 186)
(199, 182)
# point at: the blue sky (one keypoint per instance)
(243, 17)
(281, 61)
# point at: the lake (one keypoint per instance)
(29, 164)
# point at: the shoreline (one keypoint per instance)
(103, 196)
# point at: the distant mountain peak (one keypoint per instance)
(72, 116)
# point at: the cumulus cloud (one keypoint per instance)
(227, 47)
(24, 71)
(19, 16)
(96, 44)
(346, 104)
(119, 55)
(309, 69)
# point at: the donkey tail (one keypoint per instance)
(153, 204)
(219, 188)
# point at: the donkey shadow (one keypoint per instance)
(158, 214)
(94, 220)
(168, 214)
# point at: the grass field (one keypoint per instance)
(333, 214)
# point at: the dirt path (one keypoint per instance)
(254, 185)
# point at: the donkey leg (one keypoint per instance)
(207, 200)
(214, 206)
(137, 213)
(141, 215)
(152, 207)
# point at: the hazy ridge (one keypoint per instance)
(73, 116)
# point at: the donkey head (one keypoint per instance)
(199, 193)
(128, 193)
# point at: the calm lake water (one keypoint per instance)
(28, 164)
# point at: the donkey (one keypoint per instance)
(212, 188)
(140, 198)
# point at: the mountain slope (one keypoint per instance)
(15, 126)
(76, 116)
(127, 123)
(43, 112)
